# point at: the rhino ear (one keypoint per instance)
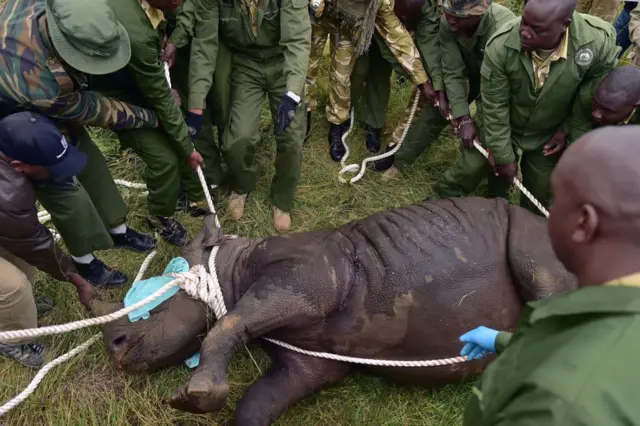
(100, 308)
(212, 234)
(208, 236)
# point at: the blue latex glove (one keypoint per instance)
(140, 290)
(193, 360)
(194, 124)
(479, 342)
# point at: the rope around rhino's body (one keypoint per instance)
(197, 283)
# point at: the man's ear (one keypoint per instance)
(587, 225)
(18, 166)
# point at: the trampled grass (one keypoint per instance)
(88, 390)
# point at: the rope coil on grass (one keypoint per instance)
(360, 169)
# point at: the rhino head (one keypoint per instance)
(174, 329)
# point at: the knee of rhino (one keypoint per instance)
(173, 332)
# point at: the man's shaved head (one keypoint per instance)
(544, 22)
(617, 95)
(596, 187)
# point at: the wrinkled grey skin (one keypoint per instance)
(400, 284)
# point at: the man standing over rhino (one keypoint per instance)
(168, 152)
(270, 42)
(532, 71)
(570, 360)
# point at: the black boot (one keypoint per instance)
(185, 206)
(100, 275)
(385, 163)
(336, 147)
(308, 126)
(133, 240)
(373, 139)
(169, 229)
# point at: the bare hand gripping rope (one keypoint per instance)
(199, 284)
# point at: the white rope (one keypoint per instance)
(360, 169)
(13, 403)
(516, 181)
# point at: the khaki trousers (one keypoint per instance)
(17, 306)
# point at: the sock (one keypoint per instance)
(85, 260)
(118, 229)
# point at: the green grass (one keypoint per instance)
(89, 391)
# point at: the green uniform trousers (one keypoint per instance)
(251, 81)
(218, 104)
(371, 86)
(166, 173)
(472, 167)
(83, 211)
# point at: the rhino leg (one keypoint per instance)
(271, 303)
(290, 378)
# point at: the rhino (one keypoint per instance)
(401, 284)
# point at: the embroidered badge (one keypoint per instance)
(584, 56)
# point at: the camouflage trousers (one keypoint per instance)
(604, 9)
(341, 66)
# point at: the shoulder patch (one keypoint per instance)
(584, 56)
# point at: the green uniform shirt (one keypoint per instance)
(514, 112)
(148, 71)
(572, 362)
(427, 42)
(284, 30)
(462, 57)
(581, 121)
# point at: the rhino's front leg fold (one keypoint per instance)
(252, 317)
(291, 377)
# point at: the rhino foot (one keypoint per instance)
(200, 395)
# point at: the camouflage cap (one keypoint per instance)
(87, 35)
(466, 8)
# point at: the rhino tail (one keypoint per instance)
(536, 270)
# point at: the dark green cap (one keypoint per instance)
(87, 35)
(466, 8)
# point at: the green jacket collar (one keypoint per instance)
(579, 35)
(588, 300)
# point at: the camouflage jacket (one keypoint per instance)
(462, 57)
(400, 42)
(33, 77)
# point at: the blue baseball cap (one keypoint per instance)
(33, 139)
